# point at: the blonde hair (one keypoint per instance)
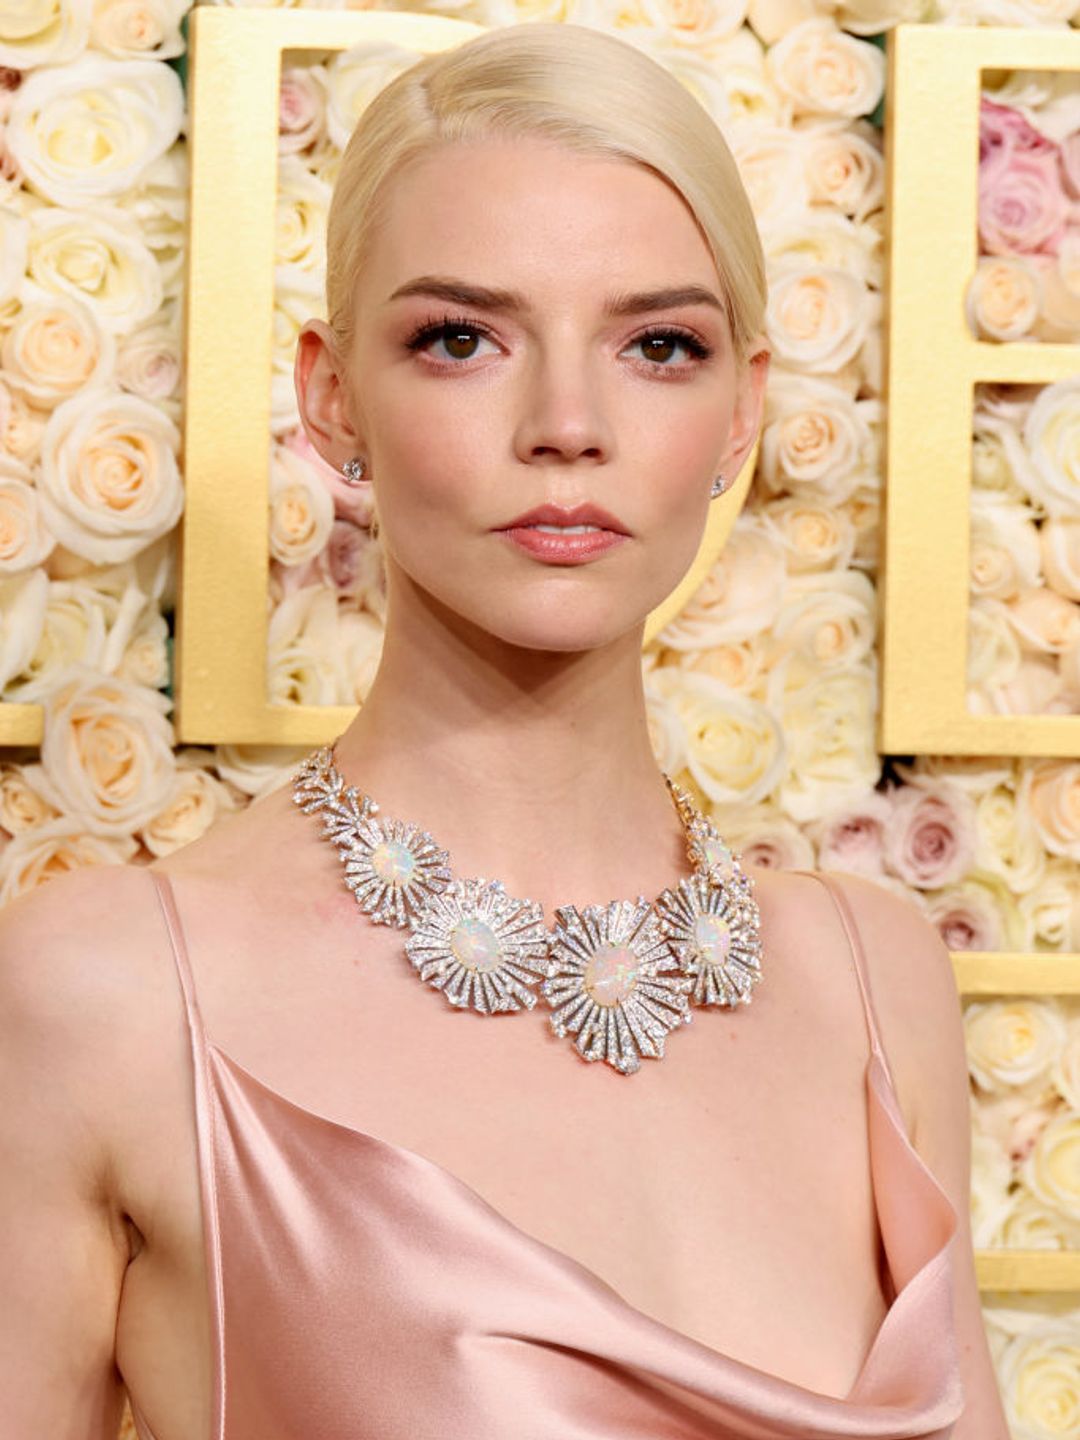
(579, 87)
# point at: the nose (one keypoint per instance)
(562, 412)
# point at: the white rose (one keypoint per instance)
(98, 257)
(991, 1172)
(666, 733)
(1037, 688)
(738, 664)
(871, 17)
(1065, 1071)
(197, 800)
(298, 296)
(1012, 1043)
(303, 663)
(741, 594)
(1052, 439)
(816, 436)
(55, 348)
(354, 77)
(1028, 1224)
(22, 618)
(750, 97)
(863, 509)
(702, 25)
(844, 165)
(84, 132)
(773, 18)
(108, 750)
(772, 171)
(1046, 622)
(109, 478)
(825, 240)
(145, 658)
(993, 655)
(814, 534)
(148, 365)
(999, 463)
(300, 227)
(825, 71)
(23, 804)
(14, 248)
(256, 770)
(52, 849)
(735, 745)
(1052, 911)
(827, 622)
(974, 774)
(1052, 1171)
(158, 206)
(817, 320)
(1051, 790)
(74, 628)
(828, 727)
(1006, 842)
(1059, 291)
(25, 540)
(1003, 297)
(1059, 542)
(1004, 547)
(43, 32)
(138, 29)
(301, 509)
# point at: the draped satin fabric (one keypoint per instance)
(362, 1292)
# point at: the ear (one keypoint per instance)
(322, 396)
(749, 408)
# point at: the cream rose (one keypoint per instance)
(814, 536)
(738, 664)
(86, 131)
(14, 248)
(300, 227)
(108, 750)
(256, 770)
(1052, 1170)
(824, 71)
(741, 594)
(1059, 542)
(1044, 621)
(871, 17)
(196, 801)
(1051, 790)
(318, 647)
(148, 365)
(827, 622)
(1065, 1071)
(23, 806)
(1028, 1224)
(824, 240)
(44, 32)
(158, 207)
(37, 856)
(828, 729)
(1004, 548)
(666, 733)
(699, 24)
(773, 18)
(22, 619)
(54, 349)
(999, 464)
(110, 483)
(1012, 1043)
(24, 538)
(1059, 277)
(98, 257)
(74, 627)
(1004, 297)
(138, 29)
(354, 77)
(990, 1202)
(773, 172)
(993, 656)
(298, 296)
(817, 320)
(1052, 439)
(1052, 912)
(844, 165)
(735, 745)
(816, 436)
(1006, 842)
(301, 509)
(145, 660)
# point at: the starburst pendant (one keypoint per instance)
(608, 986)
(394, 869)
(480, 946)
(318, 785)
(714, 934)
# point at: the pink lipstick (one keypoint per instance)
(557, 535)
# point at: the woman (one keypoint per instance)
(336, 1205)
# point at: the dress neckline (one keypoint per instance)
(879, 1088)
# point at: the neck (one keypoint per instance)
(527, 765)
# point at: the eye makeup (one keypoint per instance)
(458, 326)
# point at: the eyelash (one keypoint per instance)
(425, 333)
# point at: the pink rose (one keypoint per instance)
(301, 111)
(1022, 207)
(1069, 159)
(351, 502)
(852, 838)
(966, 919)
(930, 838)
(1003, 130)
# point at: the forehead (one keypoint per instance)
(535, 215)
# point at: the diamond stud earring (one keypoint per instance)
(719, 485)
(353, 471)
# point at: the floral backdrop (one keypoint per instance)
(763, 693)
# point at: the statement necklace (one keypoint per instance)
(618, 977)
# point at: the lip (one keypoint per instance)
(574, 515)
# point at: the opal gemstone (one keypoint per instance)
(475, 945)
(718, 856)
(712, 938)
(611, 974)
(393, 862)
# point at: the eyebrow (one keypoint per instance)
(482, 297)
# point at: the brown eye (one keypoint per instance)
(658, 347)
(461, 344)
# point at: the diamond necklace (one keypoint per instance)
(618, 977)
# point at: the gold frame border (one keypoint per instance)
(235, 69)
(934, 77)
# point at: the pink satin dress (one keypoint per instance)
(362, 1292)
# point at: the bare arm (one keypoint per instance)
(62, 1248)
(919, 1010)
